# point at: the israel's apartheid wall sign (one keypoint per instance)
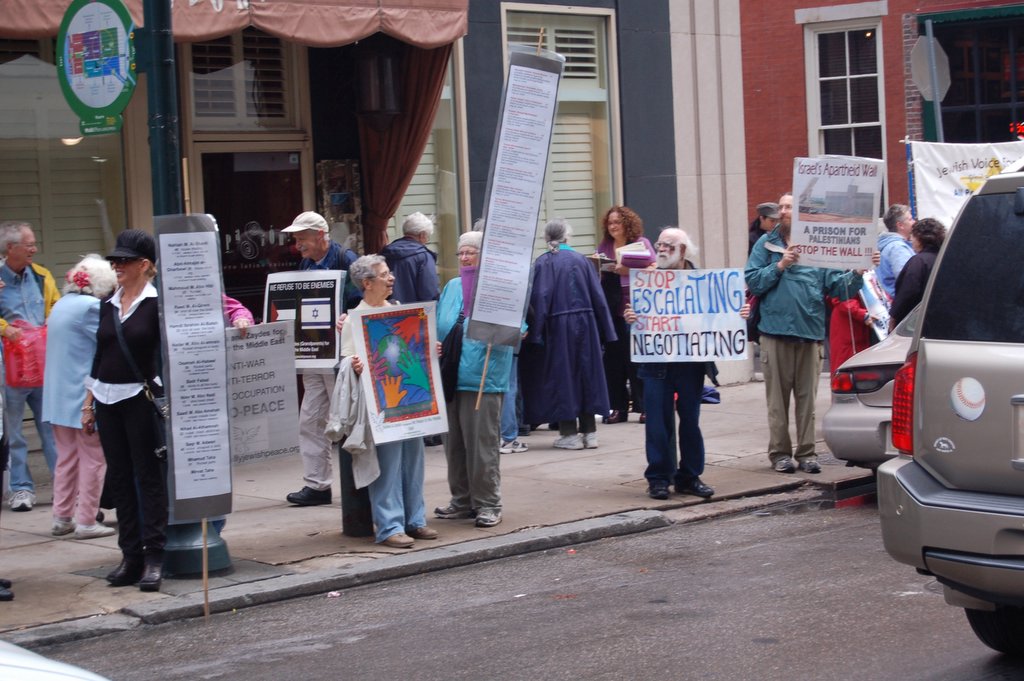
(835, 210)
(687, 315)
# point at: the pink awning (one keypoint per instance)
(316, 23)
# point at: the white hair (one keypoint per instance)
(471, 239)
(362, 269)
(10, 233)
(92, 276)
(417, 224)
(682, 239)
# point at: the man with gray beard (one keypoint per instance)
(672, 388)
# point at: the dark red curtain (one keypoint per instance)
(389, 157)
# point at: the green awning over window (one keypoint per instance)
(972, 14)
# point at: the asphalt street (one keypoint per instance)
(763, 595)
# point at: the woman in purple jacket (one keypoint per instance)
(621, 227)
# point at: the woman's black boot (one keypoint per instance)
(152, 574)
(127, 573)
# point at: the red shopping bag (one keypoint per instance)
(26, 357)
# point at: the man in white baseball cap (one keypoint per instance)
(313, 242)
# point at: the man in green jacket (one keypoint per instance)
(28, 294)
(792, 328)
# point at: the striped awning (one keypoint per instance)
(316, 23)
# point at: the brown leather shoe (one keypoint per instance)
(423, 532)
(616, 416)
(399, 541)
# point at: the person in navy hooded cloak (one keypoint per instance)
(561, 369)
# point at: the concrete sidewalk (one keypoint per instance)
(551, 498)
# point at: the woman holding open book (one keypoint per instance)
(625, 243)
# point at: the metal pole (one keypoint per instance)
(162, 95)
(934, 76)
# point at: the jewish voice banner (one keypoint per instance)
(945, 175)
(687, 315)
(835, 210)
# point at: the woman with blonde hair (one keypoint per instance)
(124, 377)
(70, 346)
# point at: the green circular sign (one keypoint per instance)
(96, 62)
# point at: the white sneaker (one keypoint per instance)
(61, 526)
(22, 500)
(569, 442)
(590, 440)
(93, 531)
(512, 447)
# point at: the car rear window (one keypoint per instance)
(978, 291)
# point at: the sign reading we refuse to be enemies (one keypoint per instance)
(687, 315)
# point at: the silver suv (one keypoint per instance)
(952, 503)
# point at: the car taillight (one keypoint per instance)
(867, 380)
(903, 407)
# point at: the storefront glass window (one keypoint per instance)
(581, 170)
(242, 82)
(70, 188)
(985, 102)
(434, 188)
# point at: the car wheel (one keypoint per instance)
(1001, 629)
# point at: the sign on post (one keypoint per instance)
(195, 366)
(96, 63)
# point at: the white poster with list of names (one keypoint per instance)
(197, 373)
(516, 183)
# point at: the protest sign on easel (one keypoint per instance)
(515, 184)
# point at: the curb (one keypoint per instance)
(395, 566)
(317, 582)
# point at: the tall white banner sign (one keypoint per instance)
(515, 185)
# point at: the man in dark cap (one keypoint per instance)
(765, 220)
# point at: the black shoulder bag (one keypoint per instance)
(451, 353)
(161, 409)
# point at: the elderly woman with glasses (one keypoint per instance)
(471, 446)
(396, 495)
